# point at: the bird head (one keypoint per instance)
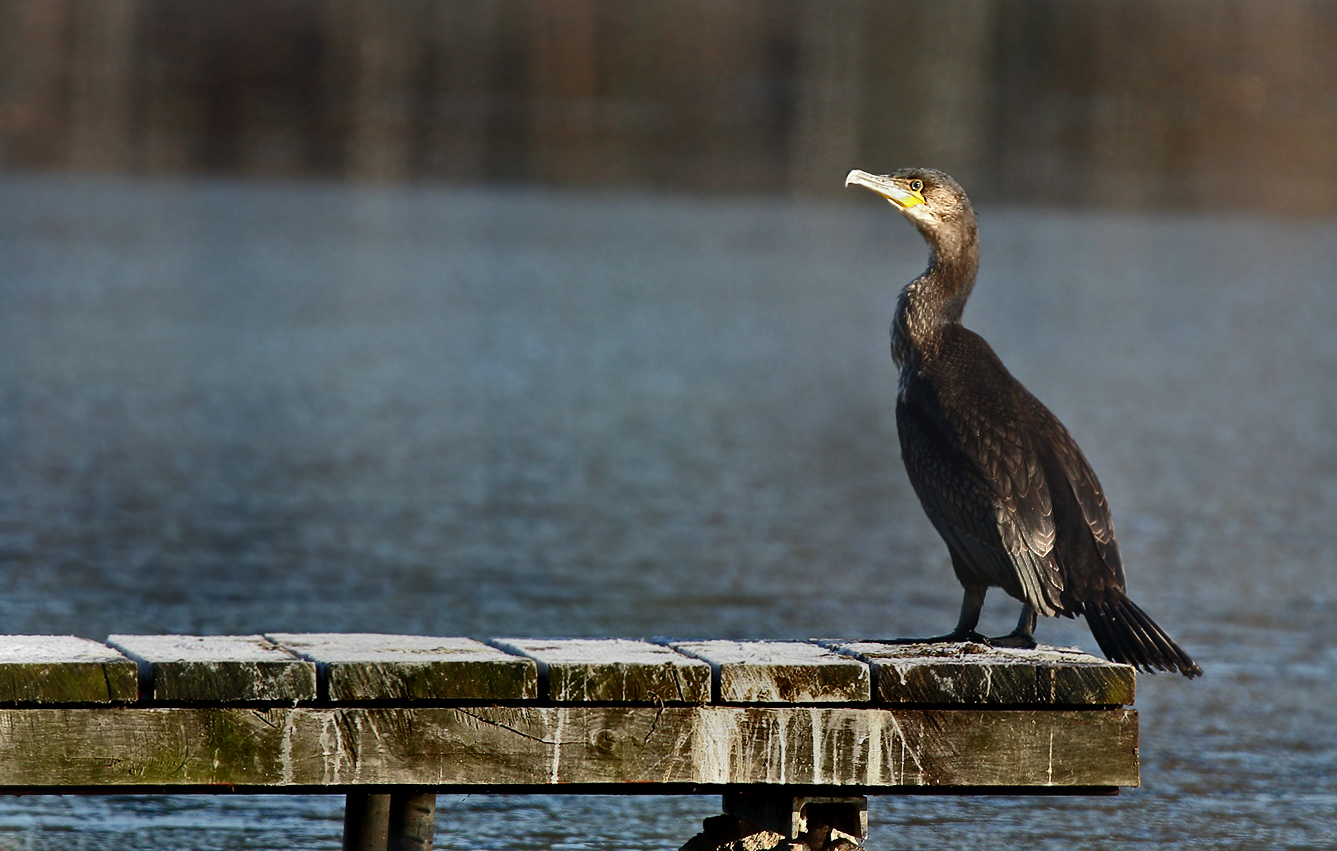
(932, 201)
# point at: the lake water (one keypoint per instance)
(238, 408)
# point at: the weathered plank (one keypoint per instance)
(367, 666)
(567, 746)
(616, 670)
(780, 672)
(218, 668)
(978, 675)
(46, 669)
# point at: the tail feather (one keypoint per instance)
(1166, 646)
(1127, 634)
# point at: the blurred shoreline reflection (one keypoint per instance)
(1130, 102)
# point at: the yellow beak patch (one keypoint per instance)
(888, 187)
(908, 200)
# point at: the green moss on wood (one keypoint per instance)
(228, 681)
(68, 682)
(512, 679)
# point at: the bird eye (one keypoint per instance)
(916, 185)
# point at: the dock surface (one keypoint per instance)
(339, 712)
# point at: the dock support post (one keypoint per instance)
(776, 821)
(818, 823)
(401, 821)
(366, 822)
(412, 821)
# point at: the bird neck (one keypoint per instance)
(936, 298)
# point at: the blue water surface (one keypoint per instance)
(240, 407)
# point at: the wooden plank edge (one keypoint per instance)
(37, 670)
(686, 685)
(278, 677)
(772, 684)
(562, 746)
(1045, 681)
(619, 789)
(417, 676)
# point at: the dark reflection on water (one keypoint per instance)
(1151, 103)
(229, 408)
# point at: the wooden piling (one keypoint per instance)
(366, 822)
(412, 821)
(398, 821)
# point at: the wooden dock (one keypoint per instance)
(392, 720)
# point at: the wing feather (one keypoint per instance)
(1071, 466)
(1004, 482)
(974, 462)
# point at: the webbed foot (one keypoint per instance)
(1020, 640)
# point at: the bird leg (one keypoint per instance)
(971, 605)
(1024, 635)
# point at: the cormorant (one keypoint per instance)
(998, 475)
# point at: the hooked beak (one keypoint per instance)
(886, 187)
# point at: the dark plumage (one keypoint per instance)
(998, 475)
